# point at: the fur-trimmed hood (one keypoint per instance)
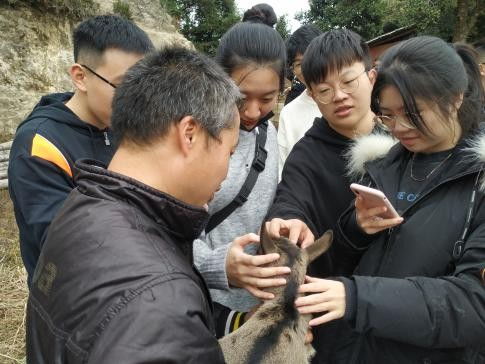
(377, 145)
(366, 149)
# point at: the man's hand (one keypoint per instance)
(245, 270)
(296, 231)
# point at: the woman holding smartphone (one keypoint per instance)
(418, 292)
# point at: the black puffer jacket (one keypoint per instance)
(115, 283)
(419, 297)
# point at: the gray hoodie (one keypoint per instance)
(210, 250)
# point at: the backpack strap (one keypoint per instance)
(459, 247)
(257, 166)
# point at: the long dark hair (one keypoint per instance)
(429, 69)
(247, 44)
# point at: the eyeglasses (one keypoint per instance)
(326, 95)
(99, 76)
(389, 122)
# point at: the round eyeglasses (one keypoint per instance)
(389, 122)
(325, 95)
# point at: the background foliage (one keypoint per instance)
(122, 9)
(371, 18)
(203, 22)
(283, 27)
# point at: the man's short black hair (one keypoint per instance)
(94, 36)
(168, 85)
(298, 42)
(332, 51)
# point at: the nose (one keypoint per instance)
(339, 95)
(399, 128)
(252, 111)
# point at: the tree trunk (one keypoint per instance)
(466, 15)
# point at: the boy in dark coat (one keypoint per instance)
(64, 127)
(314, 189)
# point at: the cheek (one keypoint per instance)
(267, 107)
(100, 101)
(224, 168)
(362, 97)
(326, 110)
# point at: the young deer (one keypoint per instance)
(276, 332)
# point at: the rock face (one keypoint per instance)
(36, 52)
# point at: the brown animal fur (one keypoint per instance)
(275, 334)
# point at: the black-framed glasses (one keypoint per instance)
(326, 95)
(99, 76)
(390, 122)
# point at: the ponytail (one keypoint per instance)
(473, 98)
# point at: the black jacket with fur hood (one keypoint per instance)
(419, 288)
(115, 283)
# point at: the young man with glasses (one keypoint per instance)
(64, 127)
(314, 189)
(297, 116)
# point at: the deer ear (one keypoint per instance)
(267, 245)
(320, 246)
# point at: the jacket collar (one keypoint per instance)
(184, 221)
(380, 150)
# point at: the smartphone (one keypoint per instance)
(374, 198)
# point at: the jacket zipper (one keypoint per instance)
(106, 139)
(388, 244)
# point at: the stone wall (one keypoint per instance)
(36, 52)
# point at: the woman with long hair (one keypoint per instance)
(254, 55)
(418, 292)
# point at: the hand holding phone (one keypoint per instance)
(374, 198)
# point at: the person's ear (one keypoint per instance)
(78, 76)
(372, 76)
(458, 101)
(310, 93)
(188, 134)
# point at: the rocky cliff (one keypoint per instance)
(36, 52)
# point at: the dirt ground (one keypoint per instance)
(13, 287)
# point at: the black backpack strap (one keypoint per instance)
(257, 166)
(459, 247)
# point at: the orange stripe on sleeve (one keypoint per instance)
(44, 149)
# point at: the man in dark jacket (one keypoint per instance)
(314, 189)
(67, 126)
(115, 281)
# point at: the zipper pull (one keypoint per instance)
(106, 139)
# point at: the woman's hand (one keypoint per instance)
(296, 231)
(328, 297)
(244, 270)
(368, 219)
